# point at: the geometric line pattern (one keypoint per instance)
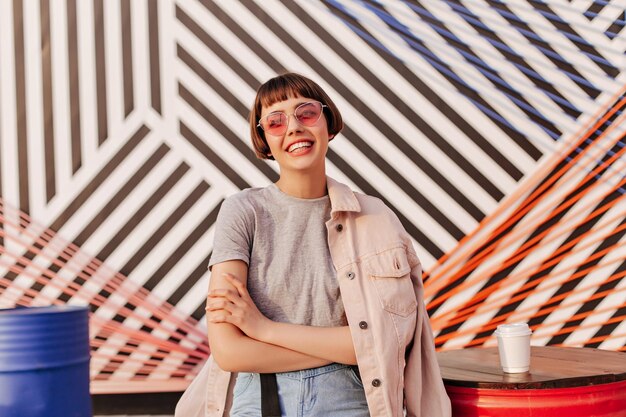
(554, 256)
(123, 127)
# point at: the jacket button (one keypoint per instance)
(363, 325)
(376, 382)
(339, 227)
(350, 275)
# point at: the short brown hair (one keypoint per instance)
(281, 88)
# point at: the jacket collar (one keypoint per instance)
(342, 198)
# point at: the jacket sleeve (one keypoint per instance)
(424, 392)
(209, 394)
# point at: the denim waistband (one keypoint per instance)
(308, 373)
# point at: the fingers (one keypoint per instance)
(241, 289)
(240, 293)
(219, 304)
(228, 305)
(230, 295)
(220, 310)
(214, 317)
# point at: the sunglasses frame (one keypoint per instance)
(293, 114)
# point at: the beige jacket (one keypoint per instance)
(381, 287)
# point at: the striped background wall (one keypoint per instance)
(493, 128)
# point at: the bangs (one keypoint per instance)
(284, 87)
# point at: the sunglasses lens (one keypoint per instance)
(275, 123)
(308, 113)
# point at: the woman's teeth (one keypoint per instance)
(299, 145)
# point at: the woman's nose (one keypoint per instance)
(295, 126)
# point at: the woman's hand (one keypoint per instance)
(237, 308)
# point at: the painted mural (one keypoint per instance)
(495, 129)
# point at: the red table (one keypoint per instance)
(570, 382)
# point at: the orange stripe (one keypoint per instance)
(97, 299)
(582, 316)
(137, 350)
(116, 327)
(464, 313)
(469, 266)
(73, 289)
(495, 321)
(537, 177)
(509, 201)
(562, 252)
(607, 337)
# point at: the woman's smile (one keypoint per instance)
(300, 147)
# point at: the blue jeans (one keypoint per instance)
(333, 390)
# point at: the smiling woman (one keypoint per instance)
(292, 121)
(304, 304)
(299, 143)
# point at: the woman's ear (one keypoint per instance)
(331, 137)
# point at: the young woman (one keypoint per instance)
(315, 283)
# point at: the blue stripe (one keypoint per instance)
(470, 17)
(429, 57)
(427, 53)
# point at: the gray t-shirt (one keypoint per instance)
(284, 241)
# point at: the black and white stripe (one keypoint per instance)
(123, 124)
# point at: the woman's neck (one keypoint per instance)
(302, 185)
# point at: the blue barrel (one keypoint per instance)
(44, 362)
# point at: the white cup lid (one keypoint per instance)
(513, 329)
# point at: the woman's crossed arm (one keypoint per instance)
(243, 340)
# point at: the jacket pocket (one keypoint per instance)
(391, 275)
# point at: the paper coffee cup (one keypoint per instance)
(514, 347)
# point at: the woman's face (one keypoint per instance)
(300, 148)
